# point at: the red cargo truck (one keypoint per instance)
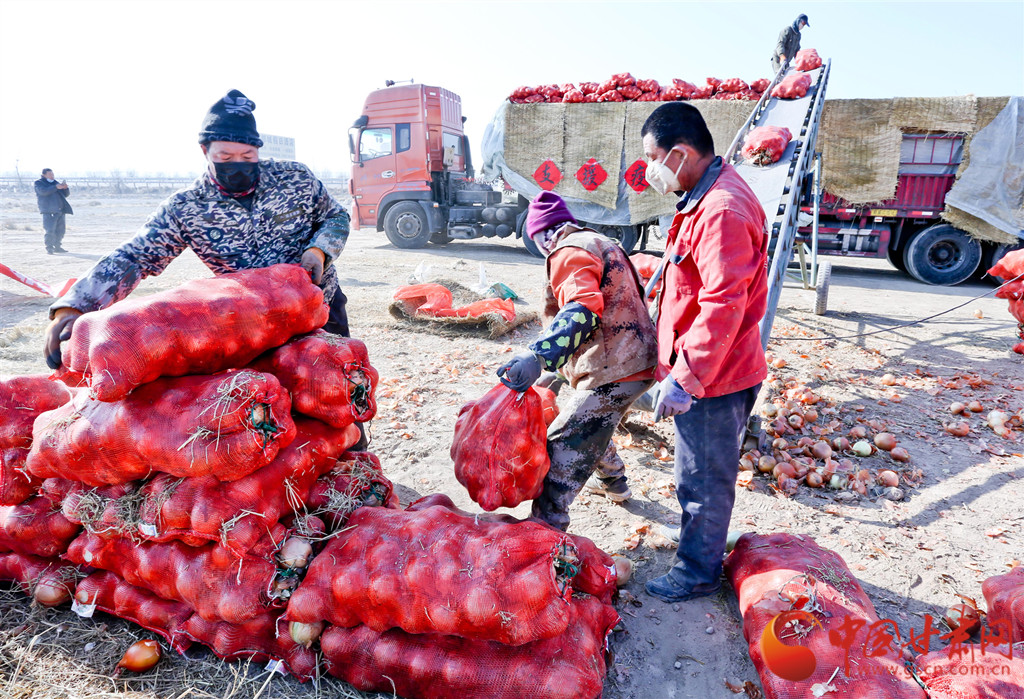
(908, 229)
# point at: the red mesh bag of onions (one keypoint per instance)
(785, 579)
(45, 579)
(500, 447)
(355, 481)
(201, 327)
(793, 86)
(36, 527)
(568, 666)
(227, 426)
(973, 671)
(108, 593)
(260, 639)
(807, 59)
(16, 484)
(766, 144)
(1004, 596)
(434, 570)
(211, 579)
(596, 574)
(329, 377)
(22, 398)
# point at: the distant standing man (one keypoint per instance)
(242, 213)
(710, 361)
(788, 43)
(53, 205)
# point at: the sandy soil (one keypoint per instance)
(959, 526)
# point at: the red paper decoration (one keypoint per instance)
(591, 175)
(548, 175)
(636, 176)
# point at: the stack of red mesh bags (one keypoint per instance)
(623, 87)
(764, 145)
(203, 461)
(1008, 269)
(435, 602)
(789, 586)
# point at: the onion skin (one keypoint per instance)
(958, 429)
(888, 479)
(140, 656)
(623, 570)
(295, 553)
(900, 454)
(814, 480)
(963, 616)
(858, 432)
(886, 441)
(305, 634)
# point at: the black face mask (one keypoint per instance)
(237, 177)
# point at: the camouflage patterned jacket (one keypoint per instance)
(291, 212)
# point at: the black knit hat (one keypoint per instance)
(231, 119)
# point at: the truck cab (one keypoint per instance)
(412, 173)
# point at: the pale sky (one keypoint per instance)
(98, 85)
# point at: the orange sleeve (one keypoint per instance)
(575, 275)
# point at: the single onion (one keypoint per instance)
(779, 363)
(863, 475)
(814, 479)
(805, 441)
(841, 444)
(900, 454)
(770, 410)
(958, 429)
(788, 485)
(140, 656)
(885, 441)
(860, 488)
(888, 380)
(810, 415)
(862, 448)
(730, 541)
(858, 432)
(957, 408)
(821, 450)
(838, 482)
(747, 463)
(963, 616)
(889, 479)
(766, 463)
(975, 406)
(51, 593)
(305, 634)
(783, 468)
(780, 443)
(295, 553)
(623, 570)
(796, 421)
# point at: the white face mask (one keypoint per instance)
(661, 178)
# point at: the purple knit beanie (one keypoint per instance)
(546, 210)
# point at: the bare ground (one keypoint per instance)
(960, 525)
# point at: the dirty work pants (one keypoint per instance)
(578, 440)
(53, 227)
(708, 441)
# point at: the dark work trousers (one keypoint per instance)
(708, 441)
(578, 440)
(337, 319)
(53, 225)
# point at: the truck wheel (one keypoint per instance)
(531, 246)
(894, 255)
(942, 255)
(625, 236)
(821, 288)
(406, 225)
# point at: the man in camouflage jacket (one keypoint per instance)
(242, 213)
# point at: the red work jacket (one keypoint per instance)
(715, 288)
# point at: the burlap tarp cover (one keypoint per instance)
(859, 140)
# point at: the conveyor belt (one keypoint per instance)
(778, 185)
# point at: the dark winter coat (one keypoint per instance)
(789, 42)
(52, 200)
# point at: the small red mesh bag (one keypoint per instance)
(1008, 269)
(329, 377)
(779, 573)
(973, 672)
(435, 571)
(596, 569)
(500, 447)
(766, 144)
(548, 404)
(44, 579)
(107, 592)
(807, 59)
(1004, 596)
(22, 398)
(356, 480)
(237, 514)
(211, 579)
(16, 484)
(568, 666)
(732, 85)
(760, 85)
(227, 426)
(201, 327)
(36, 527)
(793, 86)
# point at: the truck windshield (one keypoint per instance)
(375, 143)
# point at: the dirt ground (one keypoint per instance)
(960, 525)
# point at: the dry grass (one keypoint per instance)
(53, 653)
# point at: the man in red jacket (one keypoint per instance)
(710, 361)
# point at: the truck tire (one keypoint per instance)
(406, 225)
(625, 236)
(531, 247)
(942, 255)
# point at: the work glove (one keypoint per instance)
(672, 399)
(520, 372)
(312, 261)
(58, 331)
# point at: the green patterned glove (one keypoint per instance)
(569, 331)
